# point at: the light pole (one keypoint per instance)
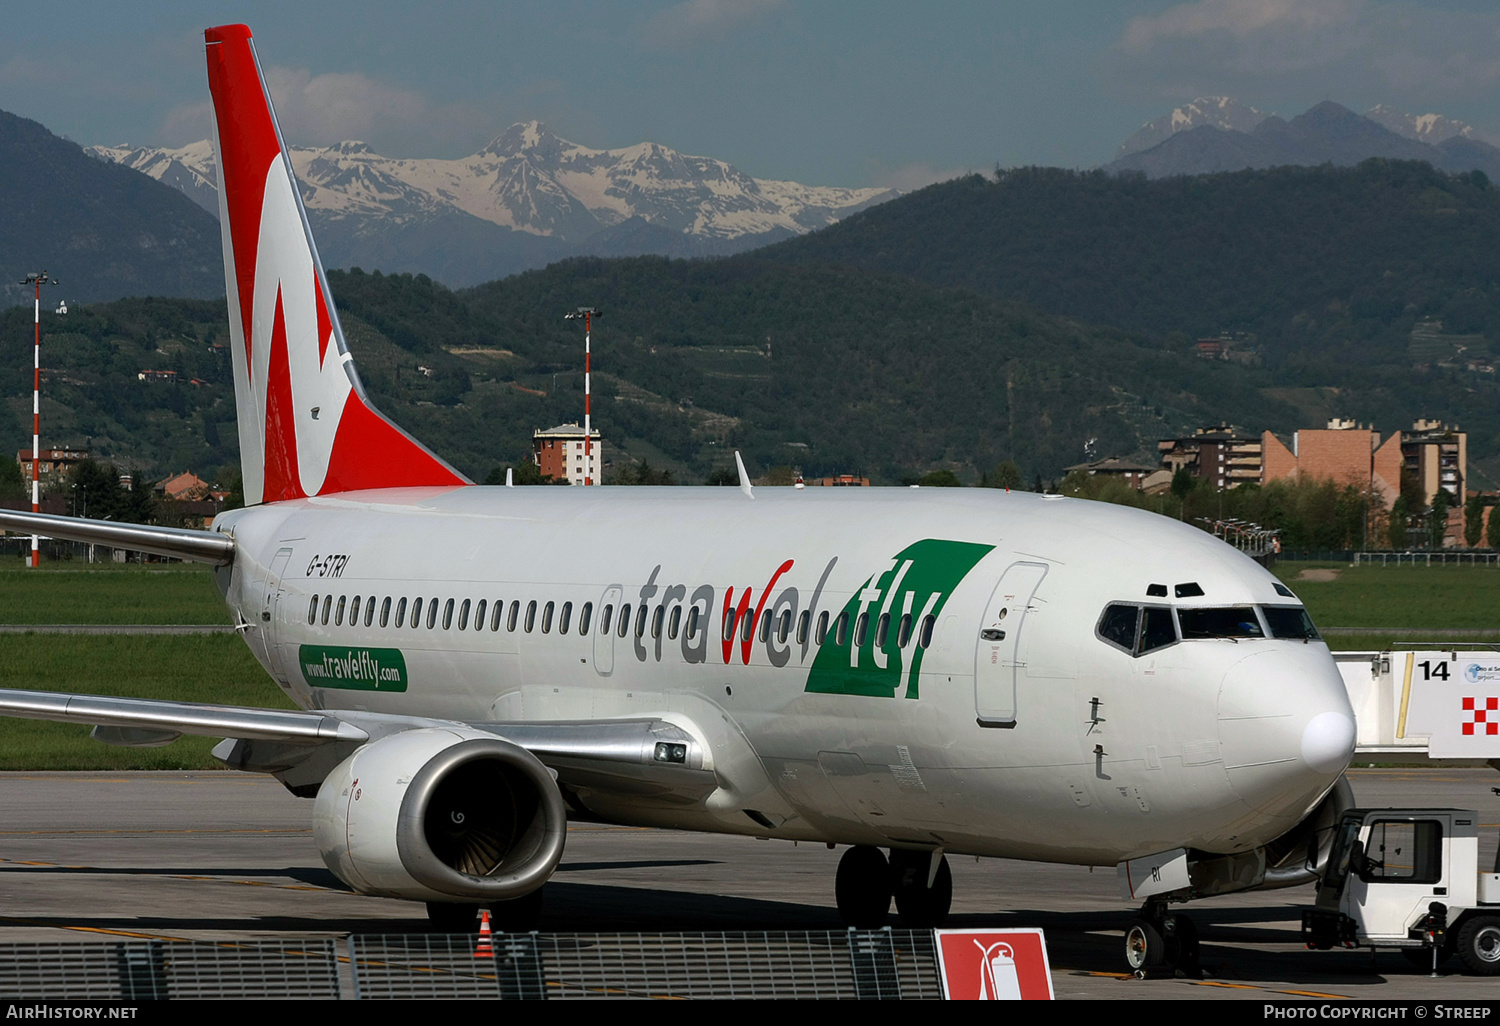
(37, 280)
(588, 313)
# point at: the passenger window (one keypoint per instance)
(338, 613)
(928, 623)
(547, 618)
(370, 611)
(675, 623)
(903, 633)
(400, 612)
(822, 627)
(765, 626)
(479, 615)
(515, 611)
(747, 625)
(432, 610)
(861, 630)
(804, 624)
(495, 615)
(640, 621)
(565, 618)
(312, 611)
(692, 623)
(728, 625)
(530, 616)
(604, 617)
(327, 606)
(841, 629)
(657, 618)
(624, 624)
(354, 612)
(784, 626)
(385, 612)
(584, 616)
(882, 629)
(416, 612)
(447, 615)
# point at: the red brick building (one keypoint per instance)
(560, 454)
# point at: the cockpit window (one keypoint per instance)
(1290, 622)
(1156, 628)
(1117, 626)
(1222, 622)
(1137, 629)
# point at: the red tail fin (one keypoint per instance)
(305, 424)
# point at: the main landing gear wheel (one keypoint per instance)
(1479, 945)
(450, 917)
(921, 907)
(862, 888)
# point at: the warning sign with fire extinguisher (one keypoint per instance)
(994, 965)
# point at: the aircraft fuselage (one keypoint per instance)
(970, 700)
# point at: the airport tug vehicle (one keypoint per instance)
(1409, 879)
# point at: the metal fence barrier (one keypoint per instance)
(865, 964)
(161, 970)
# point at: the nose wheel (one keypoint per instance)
(1157, 944)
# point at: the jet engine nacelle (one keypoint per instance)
(439, 814)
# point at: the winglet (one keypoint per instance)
(739, 465)
(306, 426)
(508, 482)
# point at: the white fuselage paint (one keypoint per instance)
(1200, 744)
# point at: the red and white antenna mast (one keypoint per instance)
(37, 280)
(588, 313)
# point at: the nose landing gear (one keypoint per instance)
(866, 882)
(1157, 944)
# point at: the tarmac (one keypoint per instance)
(217, 855)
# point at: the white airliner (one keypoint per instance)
(925, 671)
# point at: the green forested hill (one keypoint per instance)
(1297, 255)
(826, 369)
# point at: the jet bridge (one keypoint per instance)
(1441, 703)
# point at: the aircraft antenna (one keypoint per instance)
(739, 465)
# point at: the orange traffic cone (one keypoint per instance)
(483, 948)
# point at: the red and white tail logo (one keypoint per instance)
(305, 425)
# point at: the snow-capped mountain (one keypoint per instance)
(1427, 128)
(529, 180)
(1215, 111)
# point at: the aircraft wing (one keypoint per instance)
(154, 720)
(642, 756)
(179, 542)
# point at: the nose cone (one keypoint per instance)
(1286, 729)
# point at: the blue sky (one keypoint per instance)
(818, 91)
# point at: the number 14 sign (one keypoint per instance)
(1454, 697)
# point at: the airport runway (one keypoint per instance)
(212, 855)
